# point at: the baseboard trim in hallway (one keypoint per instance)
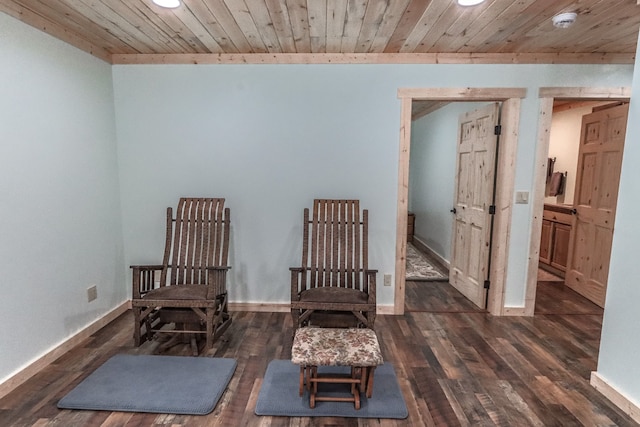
(615, 396)
(33, 368)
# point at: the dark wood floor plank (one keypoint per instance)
(435, 297)
(495, 413)
(509, 400)
(441, 410)
(518, 362)
(556, 298)
(488, 363)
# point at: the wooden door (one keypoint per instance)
(473, 198)
(596, 195)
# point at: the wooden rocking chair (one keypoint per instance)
(334, 286)
(191, 287)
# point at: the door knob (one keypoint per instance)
(453, 211)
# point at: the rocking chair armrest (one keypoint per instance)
(219, 267)
(296, 273)
(217, 280)
(147, 267)
(143, 282)
(371, 285)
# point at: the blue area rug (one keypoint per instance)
(158, 384)
(279, 395)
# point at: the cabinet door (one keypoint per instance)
(560, 251)
(545, 242)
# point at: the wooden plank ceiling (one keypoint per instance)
(423, 31)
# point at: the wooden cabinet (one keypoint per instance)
(545, 241)
(411, 222)
(554, 240)
(560, 248)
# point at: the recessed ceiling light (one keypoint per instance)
(171, 4)
(564, 20)
(469, 2)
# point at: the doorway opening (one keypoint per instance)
(452, 168)
(547, 98)
(510, 99)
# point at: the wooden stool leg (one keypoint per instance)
(356, 399)
(314, 389)
(302, 372)
(356, 374)
(363, 378)
(370, 370)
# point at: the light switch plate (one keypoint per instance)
(522, 197)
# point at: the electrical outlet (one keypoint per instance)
(92, 293)
(387, 280)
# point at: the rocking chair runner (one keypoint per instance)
(191, 290)
(334, 286)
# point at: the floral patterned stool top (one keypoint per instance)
(336, 347)
(356, 348)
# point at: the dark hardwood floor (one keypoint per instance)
(556, 298)
(436, 297)
(457, 366)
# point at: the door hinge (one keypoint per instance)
(487, 284)
(492, 210)
(497, 130)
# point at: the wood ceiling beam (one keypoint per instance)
(585, 94)
(378, 58)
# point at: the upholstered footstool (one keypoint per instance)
(355, 348)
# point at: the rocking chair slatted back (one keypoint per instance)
(196, 239)
(337, 255)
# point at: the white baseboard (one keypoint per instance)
(258, 306)
(514, 311)
(425, 248)
(285, 307)
(619, 399)
(33, 368)
(385, 309)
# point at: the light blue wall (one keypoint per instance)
(620, 343)
(271, 138)
(60, 227)
(268, 138)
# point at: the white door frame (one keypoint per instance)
(510, 98)
(547, 95)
